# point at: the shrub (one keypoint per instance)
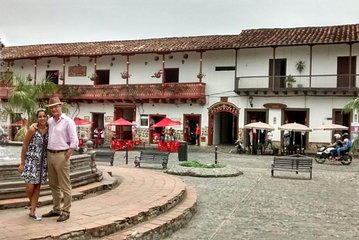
(196, 164)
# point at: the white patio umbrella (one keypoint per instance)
(331, 126)
(296, 127)
(259, 125)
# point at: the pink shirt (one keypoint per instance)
(62, 134)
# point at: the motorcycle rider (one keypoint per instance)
(346, 145)
(337, 144)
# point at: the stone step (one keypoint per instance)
(107, 183)
(163, 225)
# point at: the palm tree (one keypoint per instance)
(352, 106)
(27, 98)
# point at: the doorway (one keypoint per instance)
(346, 71)
(189, 127)
(296, 116)
(155, 133)
(222, 123)
(127, 112)
(99, 126)
(278, 74)
(225, 128)
(341, 119)
(254, 139)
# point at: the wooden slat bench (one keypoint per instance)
(152, 157)
(293, 163)
(105, 156)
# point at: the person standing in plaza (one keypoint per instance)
(95, 138)
(198, 133)
(269, 139)
(63, 141)
(33, 165)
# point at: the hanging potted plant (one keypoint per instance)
(300, 66)
(200, 75)
(125, 75)
(157, 74)
(290, 80)
(93, 77)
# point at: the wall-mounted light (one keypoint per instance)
(250, 100)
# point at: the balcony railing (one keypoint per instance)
(312, 84)
(167, 92)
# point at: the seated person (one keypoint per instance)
(347, 144)
(337, 144)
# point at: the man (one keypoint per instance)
(269, 139)
(63, 141)
(346, 145)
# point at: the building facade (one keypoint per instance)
(304, 75)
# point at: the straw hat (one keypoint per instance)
(54, 101)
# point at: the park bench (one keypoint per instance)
(152, 157)
(105, 156)
(294, 163)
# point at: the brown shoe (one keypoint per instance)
(63, 217)
(52, 213)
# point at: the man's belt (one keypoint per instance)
(56, 151)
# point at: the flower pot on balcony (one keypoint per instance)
(290, 80)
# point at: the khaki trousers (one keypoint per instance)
(59, 180)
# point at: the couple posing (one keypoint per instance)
(46, 150)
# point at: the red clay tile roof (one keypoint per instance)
(247, 39)
(298, 36)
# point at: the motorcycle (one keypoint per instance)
(323, 155)
(239, 147)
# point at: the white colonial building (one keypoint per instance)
(219, 82)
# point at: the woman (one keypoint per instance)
(33, 165)
(198, 132)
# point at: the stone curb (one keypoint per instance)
(165, 224)
(204, 172)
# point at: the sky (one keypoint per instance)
(27, 22)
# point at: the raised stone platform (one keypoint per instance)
(83, 172)
(148, 204)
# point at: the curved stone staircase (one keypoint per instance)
(147, 204)
(12, 186)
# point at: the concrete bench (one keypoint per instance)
(105, 156)
(293, 163)
(152, 157)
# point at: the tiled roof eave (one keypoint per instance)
(64, 55)
(244, 46)
(252, 38)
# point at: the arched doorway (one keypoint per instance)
(222, 123)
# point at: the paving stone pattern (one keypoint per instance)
(256, 206)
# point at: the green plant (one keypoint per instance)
(125, 75)
(300, 66)
(200, 75)
(197, 164)
(290, 79)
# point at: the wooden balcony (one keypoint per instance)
(305, 85)
(131, 93)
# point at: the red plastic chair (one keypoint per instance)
(174, 146)
(162, 146)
